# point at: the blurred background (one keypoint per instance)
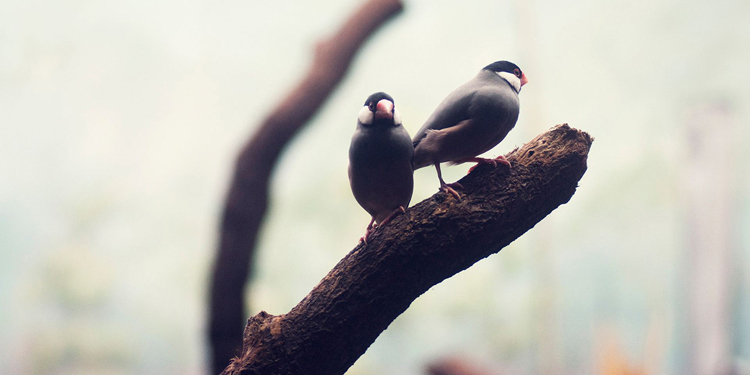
(120, 123)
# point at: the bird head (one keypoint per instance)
(379, 108)
(509, 72)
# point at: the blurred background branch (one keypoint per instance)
(247, 200)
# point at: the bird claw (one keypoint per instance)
(373, 226)
(448, 188)
(502, 160)
(370, 228)
(368, 233)
(479, 161)
(398, 211)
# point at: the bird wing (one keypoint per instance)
(450, 112)
(470, 121)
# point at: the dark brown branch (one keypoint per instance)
(247, 200)
(437, 238)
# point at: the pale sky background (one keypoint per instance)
(120, 122)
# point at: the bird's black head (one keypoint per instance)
(378, 96)
(379, 108)
(504, 66)
(510, 72)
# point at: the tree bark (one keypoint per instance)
(247, 200)
(435, 239)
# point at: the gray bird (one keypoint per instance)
(381, 154)
(472, 119)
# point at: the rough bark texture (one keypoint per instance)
(437, 238)
(247, 200)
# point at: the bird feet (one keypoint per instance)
(369, 232)
(448, 188)
(500, 159)
(398, 211)
(372, 227)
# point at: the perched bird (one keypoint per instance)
(381, 154)
(472, 119)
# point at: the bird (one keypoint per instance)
(471, 120)
(381, 169)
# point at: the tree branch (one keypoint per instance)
(437, 238)
(247, 200)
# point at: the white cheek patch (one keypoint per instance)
(512, 79)
(396, 117)
(365, 116)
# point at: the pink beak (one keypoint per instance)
(524, 80)
(384, 109)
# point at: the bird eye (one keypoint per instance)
(371, 106)
(517, 72)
